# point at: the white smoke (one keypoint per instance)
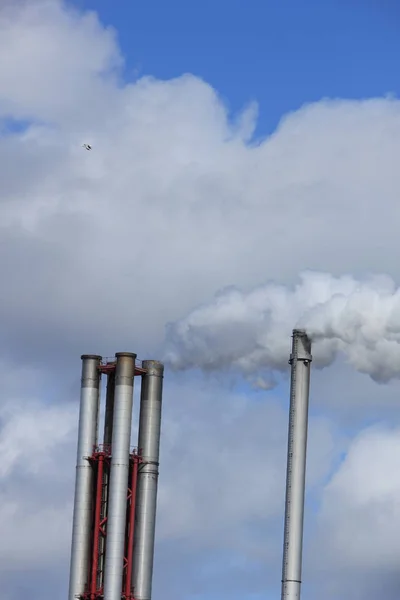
(250, 331)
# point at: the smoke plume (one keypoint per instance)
(249, 332)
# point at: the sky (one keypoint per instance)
(234, 144)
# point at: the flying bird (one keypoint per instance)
(87, 146)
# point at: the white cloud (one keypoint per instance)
(32, 431)
(360, 503)
(36, 475)
(100, 249)
(357, 543)
(218, 467)
(250, 331)
(171, 200)
(58, 64)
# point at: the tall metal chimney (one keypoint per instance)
(118, 484)
(83, 503)
(300, 361)
(146, 496)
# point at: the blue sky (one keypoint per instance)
(281, 54)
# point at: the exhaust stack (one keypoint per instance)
(300, 361)
(83, 503)
(119, 473)
(116, 486)
(146, 498)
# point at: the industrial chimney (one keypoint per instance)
(116, 486)
(300, 361)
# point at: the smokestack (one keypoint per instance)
(83, 503)
(119, 472)
(300, 361)
(146, 496)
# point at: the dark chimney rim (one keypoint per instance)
(127, 354)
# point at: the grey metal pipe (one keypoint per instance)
(300, 361)
(83, 503)
(118, 484)
(146, 496)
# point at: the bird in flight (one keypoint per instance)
(87, 146)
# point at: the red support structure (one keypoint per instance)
(131, 527)
(109, 367)
(100, 458)
(94, 589)
(96, 531)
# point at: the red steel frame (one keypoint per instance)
(101, 457)
(109, 367)
(130, 526)
(96, 533)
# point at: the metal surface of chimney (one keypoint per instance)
(146, 496)
(300, 361)
(83, 503)
(118, 483)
